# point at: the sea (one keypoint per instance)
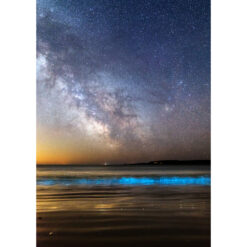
(139, 205)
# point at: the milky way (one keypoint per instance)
(122, 81)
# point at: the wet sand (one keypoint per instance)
(99, 229)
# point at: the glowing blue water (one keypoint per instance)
(129, 181)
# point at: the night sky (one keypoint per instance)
(122, 81)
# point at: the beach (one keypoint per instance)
(119, 206)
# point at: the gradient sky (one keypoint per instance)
(122, 81)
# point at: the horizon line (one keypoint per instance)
(155, 162)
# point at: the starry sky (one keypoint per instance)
(122, 81)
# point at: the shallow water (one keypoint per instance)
(115, 206)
